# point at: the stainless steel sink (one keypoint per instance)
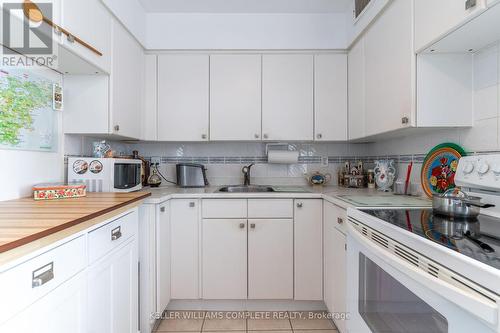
(246, 188)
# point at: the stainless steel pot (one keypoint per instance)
(457, 204)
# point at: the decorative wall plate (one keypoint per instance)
(440, 165)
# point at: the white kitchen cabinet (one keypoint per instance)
(126, 88)
(184, 237)
(147, 266)
(224, 248)
(62, 310)
(163, 257)
(113, 291)
(150, 112)
(334, 244)
(356, 90)
(330, 97)
(435, 19)
(389, 56)
(308, 249)
(235, 97)
(183, 97)
(287, 97)
(90, 21)
(270, 259)
(108, 104)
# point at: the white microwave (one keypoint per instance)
(106, 174)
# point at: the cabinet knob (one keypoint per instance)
(252, 225)
(203, 136)
(266, 136)
(242, 225)
(71, 38)
(299, 204)
(405, 120)
(162, 209)
(191, 204)
(117, 128)
(340, 220)
(470, 4)
(319, 135)
(256, 136)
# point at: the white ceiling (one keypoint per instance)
(245, 6)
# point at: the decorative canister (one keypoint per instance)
(371, 178)
(59, 191)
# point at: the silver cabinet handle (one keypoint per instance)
(470, 4)
(116, 233)
(319, 136)
(299, 204)
(42, 275)
(71, 38)
(162, 209)
(117, 128)
(266, 136)
(256, 136)
(203, 136)
(405, 120)
(191, 204)
(242, 225)
(340, 220)
(252, 225)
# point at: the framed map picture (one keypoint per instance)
(27, 118)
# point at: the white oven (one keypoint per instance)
(392, 288)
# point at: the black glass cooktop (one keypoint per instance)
(478, 239)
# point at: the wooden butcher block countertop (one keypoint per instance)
(25, 220)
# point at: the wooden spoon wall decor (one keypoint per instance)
(34, 14)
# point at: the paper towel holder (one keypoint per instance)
(279, 145)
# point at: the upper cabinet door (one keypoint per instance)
(390, 70)
(435, 19)
(90, 21)
(287, 97)
(330, 97)
(148, 125)
(235, 97)
(183, 98)
(356, 88)
(126, 84)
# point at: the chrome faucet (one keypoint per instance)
(246, 174)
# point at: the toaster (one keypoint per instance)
(191, 175)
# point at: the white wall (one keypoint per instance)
(21, 169)
(132, 15)
(245, 31)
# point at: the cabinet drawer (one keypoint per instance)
(109, 236)
(224, 208)
(24, 284)
(270, 208)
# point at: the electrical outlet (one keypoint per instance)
(155, 160)
(324, 160)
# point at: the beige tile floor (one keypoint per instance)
(238, 322)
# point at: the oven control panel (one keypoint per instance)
(479, 171)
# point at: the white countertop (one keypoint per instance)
(329, 193)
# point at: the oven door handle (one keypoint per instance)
(480, 306)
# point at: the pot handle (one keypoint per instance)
(477, 204)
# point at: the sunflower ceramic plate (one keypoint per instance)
(440, 165)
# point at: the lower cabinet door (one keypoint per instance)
(113, 292)
(339, 276)
(62, 310)
(270, 259)
(224, 245)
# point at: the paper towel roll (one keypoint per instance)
(283, 157)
